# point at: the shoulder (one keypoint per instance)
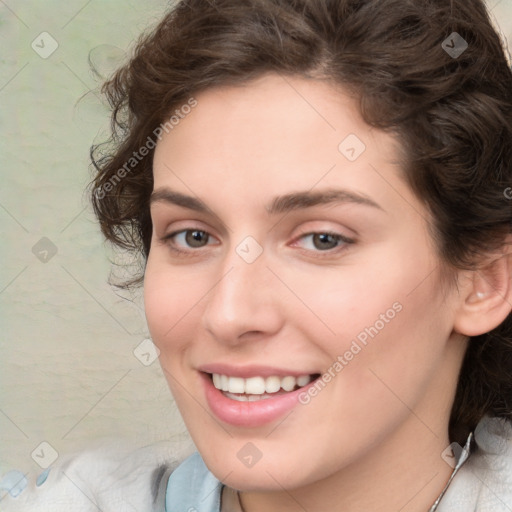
(100, 478)
(484, 482)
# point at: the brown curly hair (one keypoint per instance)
(452, 113)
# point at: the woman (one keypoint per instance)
(318, 192)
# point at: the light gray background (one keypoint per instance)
(69, 375)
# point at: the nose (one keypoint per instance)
(243, 304)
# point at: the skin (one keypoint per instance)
(372, 438)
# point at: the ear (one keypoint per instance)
(485, 295)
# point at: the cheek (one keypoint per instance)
(343, 301)
(171, 301)
(386, 321)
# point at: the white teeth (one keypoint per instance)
(288, 383)
(253, 386)
(236, 385)
(247, 398)
(258, 385)
(272, 384)
(217, 380)
(303, 380)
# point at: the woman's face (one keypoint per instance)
(286, 246)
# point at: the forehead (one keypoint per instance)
(273, 109)
(271, 135)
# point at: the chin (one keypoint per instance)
(267, 474)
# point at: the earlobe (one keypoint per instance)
(485, 297)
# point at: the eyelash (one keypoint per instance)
(343, 240)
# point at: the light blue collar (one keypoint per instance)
(193, 488)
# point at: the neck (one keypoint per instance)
(398, 475)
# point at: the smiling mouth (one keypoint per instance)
(258, 388)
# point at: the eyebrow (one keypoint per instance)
(279, 205)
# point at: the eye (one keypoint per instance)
(323, 241)
(188, 238)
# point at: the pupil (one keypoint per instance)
(196, 238)
(324, 241)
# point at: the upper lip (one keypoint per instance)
(253, 370)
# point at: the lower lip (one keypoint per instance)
(249, 414)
